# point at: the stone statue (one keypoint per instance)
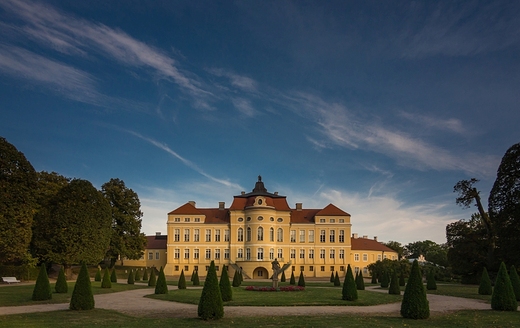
(276, 271)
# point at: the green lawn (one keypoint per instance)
(458, 290)
(104, 318)
(17, 295)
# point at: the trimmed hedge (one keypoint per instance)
(402, 282)
(236, 279)
(360, 281)
(106, 283)
(161, 287)
(349, 292)
(485, 287)
(130, 279)
(415, 305)
(196, 280)
(394, 285)
(332, 277)
(430, 281)
(153, 280)
(210, 303)
(225, 286)
(283, 279)
(145, 274)
(42, 290)
(113, 276)
(182, 281)
(503, 298)
(292, 281)
(82, 297)
(385, 281)
(337, 282)
(301, 280)
(515, 281)
(98, 275)
(137, 275)
(374, 279)
(61, 286)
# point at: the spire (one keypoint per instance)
(259, 186)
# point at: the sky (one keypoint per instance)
(378, 107)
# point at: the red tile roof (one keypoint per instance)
(156, 242)
(369, 245)
(215, 215)
(186, 209)
(303, 216)
(331, 209)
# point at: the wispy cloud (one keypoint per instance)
(243, 106)
(242, 82)
(452, 124)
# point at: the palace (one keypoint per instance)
(260, 227)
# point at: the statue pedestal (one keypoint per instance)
(275, 282)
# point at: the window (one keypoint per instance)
(226, 254)
(260, 273)
(332, 221)
(150, 255)
(341, 220)
(208, 254)
(302, 268)
(217, 267)
(280, 253)
(332, 236)
(271, 253)
(279, 234)
(293, 253)
(186, 253)
(197, 219)
(311, 268)
(177, 219)
(271, 234)
(322, 268)
(332, 253)
(156, 255)
(260, 254)
(195, 268)
(186, 268)
(240, 219)
(322, 236)
(260, 234)
(260, 218)
(177, 234)
(176, 268)
(248, 234)
(293, 268)
(384, 256)
(365, 257)
(341, 253)
(217, 254)
(271, 219)
(279, 220)
(226, 235)
(311, 253)
(240, 234)
(342, 268)
(302, 236)
(195, 253)
(248, 218)
(176, 253)
(208, 234)
(248, 254)
(342, 236)
(293, 236)
(240, 253)
(332, 268)
(322, 253)
(379, 257)
(196, 235)
(311, 236)
(186, 219)
(356, 257)
(322, 220)
(186, 234)
(207, 267)
(302, 253)
(365, 270)
(217, 234)
(356, 270)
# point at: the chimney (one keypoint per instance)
(158, 233)
(375, 238)
(242, 193)
(354, 235)
(192, 202)
(221, 205)
(276, 193)
(298, 206)
(365, 237)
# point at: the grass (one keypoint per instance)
(22, 294)
(466, 291)
(312, 296)
(104, 318)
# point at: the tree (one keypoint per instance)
(515, 281)
(301, 280)
(396, 246)
(153, 280)
(394, 285)
(161, 287)
(292, 281)
(415, 305)
(17, 204)
(385, 280)
(42, 288)
(283, 279)
(360, 281)
(106, 282)
(130, 280)
(137, 276)
(225, 287)
(196, 281)
(504, 206)
(430, 281)
(126, 240)
(145, 274)
(432, 252)
(336, 280)
(113, 276)
(61, 286)
(82, 297)
(485, 287)
(182, 281)
(77, 228)
(210, 303)
(503, 298)
(349, 292)
(98, 275)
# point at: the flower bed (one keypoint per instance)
(272, 289)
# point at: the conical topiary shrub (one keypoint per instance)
(106, 283)
(360, 281)
(82, 298)
(192, 275)
(182, 281)
(225, 286)
(385, 281)
(241, 276)
(153, 280)
(196, 280)
(349, 292)
(113, 276)
(430, 281)
(374, 279)
(402, 282)
(61, 286)
(98, 275)
(145, 274)
(415, 305)
(161, 287)
(331, 276)
(356, 276)
(130, 279)
(137, 275)
(42, 290)
(236, 279)
(515, 281)
(283, 279)
(485, 284)
(292, 281)
(301, 280)
(503, 298)
(337, 282)
(210, 303)
(394, 285)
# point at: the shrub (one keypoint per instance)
(196, 281)
(292, 281)
(384, 280)
(61, 286)
(130, 279)
(415, 304)
(145, 274)
(98, 275)
(225, 286)
(503, 298)
(192, 275)
(515, 281)
(152, 281)
(360, 281)
(337, 282)
(236, 279)
(401, 279)
(161, 287)
(241, 276)
(332, 276)
(430, 281)
(182, 281)
(210, 303)
(485, 284)
(301, 280)
(42, 289)
(82, 298)
(374, 279)
(394, 285)
(137, 275)
(106, 283)
(283, 279)
(349, 292)
(113, 276)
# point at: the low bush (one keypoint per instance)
(42, 290)
(415, 305)
(106, 283)
(61, 286)
(301, 280)
(503, 298)
(182, 281)
(225, 286)
(82, 297)
(485, 287)
(292, 281)
(161, 287)
(349, 292)
(113, 276)
(130, 280)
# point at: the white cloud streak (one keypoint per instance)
(452, 125)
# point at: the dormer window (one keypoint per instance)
(260, 201)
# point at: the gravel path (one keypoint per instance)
(133, 303)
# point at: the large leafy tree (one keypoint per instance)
(17, 204)
(77, 228)
(504, 206)
(396, 246)
(432, 252)
(126, 240)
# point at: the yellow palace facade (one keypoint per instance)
(260, 227)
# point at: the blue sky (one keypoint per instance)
(379, 107)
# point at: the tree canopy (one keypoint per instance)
(432, 252)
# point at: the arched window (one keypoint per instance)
(240, 234)
(260, 234)
(260, 254)
(279, 234)
(248, 234)
(271, 234)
